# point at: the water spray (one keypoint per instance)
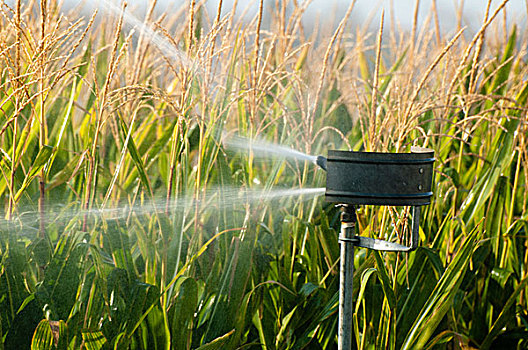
(216, 198)
(372, 178)
(166, 47)
(265, 149)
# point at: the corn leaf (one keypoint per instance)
(43, 337)
(41, 160)
(442, 296)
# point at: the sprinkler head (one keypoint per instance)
(375, 178)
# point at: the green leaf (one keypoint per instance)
(495, 212)
(232, 289)
(218, 343)
(442, 338)
(417, 283)
(66, 173)
(28, 317)
(501, 276)
(385, 280)
(141, 301)
(497, 86)
(42, 251)
(133, 151)
(83, 68)
(62, 277)
(364, 281)
(117, 243)
(284, 325)
(43, 337)
(500, 160)
(391, 73)
(59, 128)
(503, 318)
(442, 296)
(185, 305)
(94, 340)
(43, 156)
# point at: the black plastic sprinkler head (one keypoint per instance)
(376, 178)
(321, 162)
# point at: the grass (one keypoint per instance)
(106, 134)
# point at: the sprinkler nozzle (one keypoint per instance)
(321, 162)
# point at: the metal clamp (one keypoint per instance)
(378, 244)
(354, 240)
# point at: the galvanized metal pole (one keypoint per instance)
(346, 274)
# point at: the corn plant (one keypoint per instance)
(129, 223)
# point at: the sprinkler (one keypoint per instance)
(373, 178)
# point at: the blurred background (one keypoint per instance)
(452, 13)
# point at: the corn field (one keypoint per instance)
(122, 223)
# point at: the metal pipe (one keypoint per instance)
(346, 274)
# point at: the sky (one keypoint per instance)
(403, 9)
(473, 9)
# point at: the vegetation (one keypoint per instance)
(107, 132)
